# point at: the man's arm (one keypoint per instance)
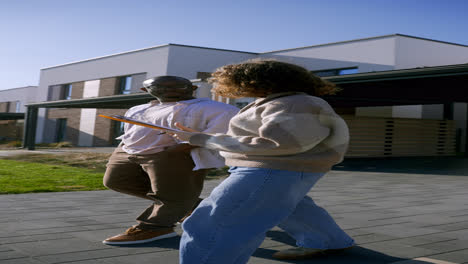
(181, 147)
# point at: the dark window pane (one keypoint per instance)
(66, 92)
(348, 71)
(335, 72)
(61, 130)
(125, 84)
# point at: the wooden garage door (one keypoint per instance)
(399, 137)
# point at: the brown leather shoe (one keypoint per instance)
(135, 235)
(304, 253)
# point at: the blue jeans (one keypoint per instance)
(229, 225)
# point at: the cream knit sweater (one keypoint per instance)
(286, 131)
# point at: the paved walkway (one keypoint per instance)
(14, 152)
(394, 218)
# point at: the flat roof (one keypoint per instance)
(9, 89)
(365, 39)
(255, 53)
(427, 85)
(143, 49)
(419, 72)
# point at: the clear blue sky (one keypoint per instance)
(38, 34)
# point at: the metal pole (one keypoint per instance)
(29, 138)
(448, 111)
(466, 131)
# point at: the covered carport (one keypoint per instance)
(10, 128)
(444, 85)
(421, 86)
(107, 102)
(11, 116)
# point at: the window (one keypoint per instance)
(61, 129)
(348, 71)
(125, 85)
(18, 106)
(335, 72)
(118, 128)
(203, 75)
(7, 108)
(66, 92)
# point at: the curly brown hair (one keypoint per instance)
(259, 78)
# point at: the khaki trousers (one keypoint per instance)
(166, 178)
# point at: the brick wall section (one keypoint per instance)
(12, 107)
(73, 122)
(104, 128)
(77, 90)
(11, 130)
(72, 115)
(3, 107)
(108, 86)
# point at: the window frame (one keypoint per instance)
(67, 91)
(335, 71)
(124, 85)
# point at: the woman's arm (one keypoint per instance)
(282, 132)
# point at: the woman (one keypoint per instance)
(278, 147)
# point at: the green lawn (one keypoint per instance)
(27, 177)
(59, 173)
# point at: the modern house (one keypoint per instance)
(12, 108)
(361, 60)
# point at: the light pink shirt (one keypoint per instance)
(201, 114)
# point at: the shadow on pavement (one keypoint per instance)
(169, 243)
(355, 255)
(456, 166)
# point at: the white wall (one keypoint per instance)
(407, 111)
(88, 116)
(187, 61)
(413, 52)
(404, 111)
(203, 90)
(152, 61)
(87, 124)
(374, 54)
(322, 64)
(23, 94)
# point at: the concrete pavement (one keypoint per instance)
(395, 216)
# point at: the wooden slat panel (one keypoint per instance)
(379, 137)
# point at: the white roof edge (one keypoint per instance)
(106, 56)
(143, 49)
(364, 39)
(433, 40)
(334, 43)
(268, 52)
(23, 87)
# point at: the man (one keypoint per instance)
(153, 165)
